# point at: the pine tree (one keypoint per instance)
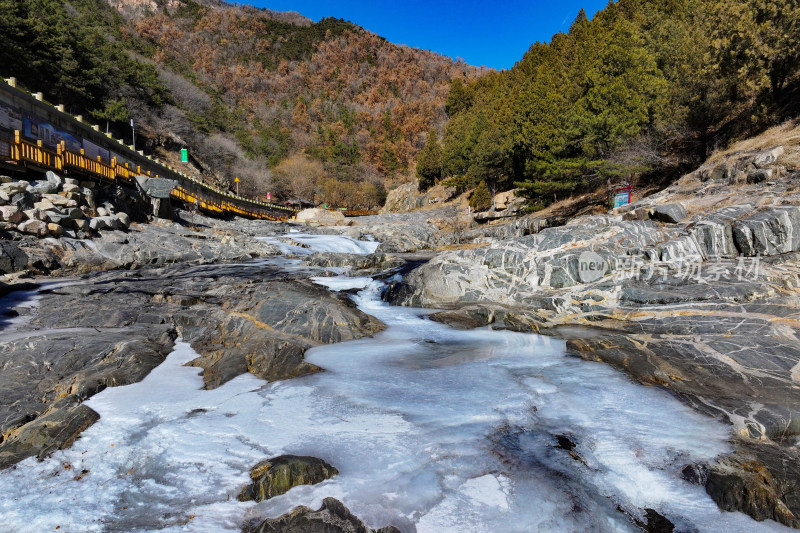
(481, 198)
(429, 162)
(458, 99)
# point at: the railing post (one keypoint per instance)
(59, 163)
(15, 152)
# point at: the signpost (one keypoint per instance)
(184, 155)
(622, 196)
(236, 180)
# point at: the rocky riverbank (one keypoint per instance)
(112, 328)
(694, 289)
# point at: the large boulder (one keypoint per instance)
(14, 187)
(332, 517)
(669, 213)
(12, 259)
(768, 157)
(267, 330)
(321, 217)
(54, 178)
(714, 232)
(775, 230)
(44, 187)
(278, 475)
(760, 481)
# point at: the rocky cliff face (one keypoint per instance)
(695, 289)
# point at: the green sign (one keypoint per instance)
(184, 155)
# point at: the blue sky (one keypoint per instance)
(495, 34)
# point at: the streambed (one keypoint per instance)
(432, 430)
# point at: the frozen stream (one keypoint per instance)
(432, 429)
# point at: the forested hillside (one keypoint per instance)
(644, 89)
(296, 108)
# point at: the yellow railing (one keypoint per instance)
(32, 153)
(210, 199)
(81, 162)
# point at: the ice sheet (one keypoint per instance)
(306, 244)
(432, 430)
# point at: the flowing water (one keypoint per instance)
(432, 429)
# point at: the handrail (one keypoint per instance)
(22, 151)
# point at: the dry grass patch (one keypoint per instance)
(786, 135)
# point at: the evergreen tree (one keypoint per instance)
(458, 99)
(429, 162)
(481, 198)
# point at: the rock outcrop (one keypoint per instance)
(407, 197)
(362, 264)
(113, 328)
(321, 217)
(278, 475)
(692, 289)
(332, 517)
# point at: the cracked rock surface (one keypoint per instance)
(704, 302)
(112, 328)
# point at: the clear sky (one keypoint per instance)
(495, 34)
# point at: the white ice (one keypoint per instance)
(432, 430)
(306, 244)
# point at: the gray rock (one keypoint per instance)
(54, 230)
(73, 212)
(12, 258)
(299, 316)
(46, 377)
(33, 227)
(111, 221)
(774, 230)
(757, 175)
(116, 328)
(23, 200)
(278, 475)
(99, 223)
(722, 172)
(35, 214)
(156, 187)
(44, 187)
(768, 157)
(332, 517)
(123, 220)
(669, 213)
(60, 201)
(746, 482)
(10, 213)
(54, 178)
(57, 218)
(372, 262)
(14, 187)
(714, 232)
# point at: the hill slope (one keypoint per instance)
(292, 107)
